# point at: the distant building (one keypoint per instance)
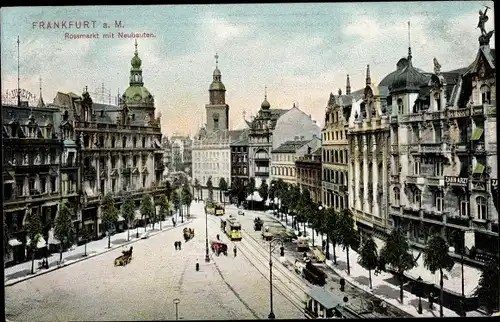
(167, 157)
(239, 160)
(181, 153)
(211, 151)
(284, 157)
(308, 168)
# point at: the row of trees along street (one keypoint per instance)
(223, 188)
(338, 227)
(176, 197)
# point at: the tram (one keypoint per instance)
(320, 304)
(232, 228)
(215, 209)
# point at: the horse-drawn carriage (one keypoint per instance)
(125, 258)
(188, 233)
(219, 247)
(257, 224)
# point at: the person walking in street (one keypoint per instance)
(431, 301)
(180, 244)
(234, 250)
(175, 245)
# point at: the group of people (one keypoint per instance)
(178, 245)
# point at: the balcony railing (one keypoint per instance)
(462, 112)
(437, 182)
(261, 174)
(478, 110)
(125, 171)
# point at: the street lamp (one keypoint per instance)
(207, 256)
(176, 302)
(274, 242)
(320, 208)
(419, 290)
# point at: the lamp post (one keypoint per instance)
(207, 256)
(419, 290)
(462, 250)
(274, 242)
(320, 208)
(176, 302)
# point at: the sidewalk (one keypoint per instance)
(22, 271)
(382, 286)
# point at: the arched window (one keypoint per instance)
(397, 197)
(439, 200)
(336, 157)
(400, 106)
(341, 155)
(485, 94)
(464, 206)
(482, 208)
(417, 198)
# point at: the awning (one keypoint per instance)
(137, 214)
(478, 169)
(41, 242)
(52, 239)
(14, 242)
(50, 204)
(15, 209)
(157, 143)
(120, 218)
(88, 222)
(69, 143)
(476, 135)
(254, 197)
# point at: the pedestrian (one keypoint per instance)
(431, 301)
(180, 243)
(175, 245)
(218, 237)
(323, 246)
(235, 251)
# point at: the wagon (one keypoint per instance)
(218, 247)
(188, 233)
(123, 260)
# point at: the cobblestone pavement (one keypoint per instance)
(226, 288)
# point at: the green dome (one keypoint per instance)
(217, 86)
(137, 95)
(136, 61)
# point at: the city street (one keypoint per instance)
(94, 289)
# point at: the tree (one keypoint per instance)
(330, 227)
(197, 187)
(164, 204)
(222, 188)
(437, 257)
(109, 214)
(128, 212)
(210, 187)
(176, 201)
(6, 238)
(250, 188)
(396, 253)
(347, 236)
(264, 191)
(368, 257)
(86, 237)
(34, 228)
(63, 227)
(168, 189)
(187, 198)
(272, 190)
(487, 290)
(147, 210)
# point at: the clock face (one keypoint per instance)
(137, 97)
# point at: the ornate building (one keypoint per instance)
(167, 157)
(335, 148)
(368, 137)
(120, 145)
(181, 153)
(308, 169)
(239, 159)
(444, 155)
(211, 152)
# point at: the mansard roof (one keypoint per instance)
(290, 146)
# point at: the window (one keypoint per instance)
(485, 94)
(143, 142)
(103, 185)
(464, 206)
(134, 142)
(113, 142)
(396, 197)
(439, 200)
(53, 186)
(19, 187)
(417, 198)
(31, 182)
(400, 106)
(437, 99)
(144, 181)
(43, 185)
(438, 134)
(113, 185)
(416, 168)
(482, 208)
(438, 169)
(124, 142)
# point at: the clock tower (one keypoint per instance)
(217, 110)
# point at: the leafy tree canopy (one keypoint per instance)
(63, 223)
(396, 252)
(109, 211)
(368, 257)
(488, 290)
(176, 200)
(222, 184)
(264, 191)
(436, 255)
(128, 208)
(147, 207)
(34, 227)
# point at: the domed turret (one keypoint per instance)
(407, 77)
(136, 95)
(265, 104)
(136, 61)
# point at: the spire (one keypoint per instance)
(409, 43)
(136, 71)
(368, 78)
(216, 60)
(348, 86)
(340, 91)
(135, 45)
(18, 77)
(265, 92)
(40, 99)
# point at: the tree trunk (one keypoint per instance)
(441, 292)
(370, 277)
(160, 222)
(109, 240)
(60, 251)
(401, 288)
(33, 263)
(334, 244)
(348, 268)
(85, 251)
(128, 234)
(327, 246)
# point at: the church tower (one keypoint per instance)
(217, 110)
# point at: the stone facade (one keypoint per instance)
(239, 159)
(309, 170)
(181, 153)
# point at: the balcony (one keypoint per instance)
(478, 185)
(435, 181)
(411, 179)
(461, 147)
(478, 110)
(438, 115)
(458, 113)
(394, 119)
(480, 149)
(261, 174)
(416, 117)
(126, 171)
(69, 165)
(394, 178)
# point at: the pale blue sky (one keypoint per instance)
(302, 52)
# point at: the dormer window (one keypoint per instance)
(102, 113)
(437, 99)
(485, 94)
(400, 106)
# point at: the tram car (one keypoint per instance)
(320, 304)
(313, 274)
(233, 229)
(125, 258)
(302, 244)
(215, 209)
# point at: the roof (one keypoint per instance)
(241, 142)
(407, 77)
(325, 298)
(290, 146)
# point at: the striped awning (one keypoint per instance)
(14, 242)
(478, 169)
(120, 218)
(41, 242)
(476, 135)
